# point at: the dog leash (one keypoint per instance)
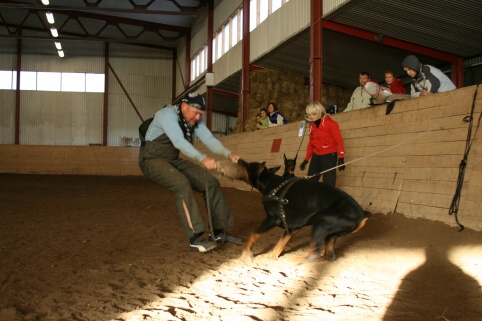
(381, 151)
(302, 137)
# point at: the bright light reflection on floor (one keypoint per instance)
(469, 259)
(278, 290)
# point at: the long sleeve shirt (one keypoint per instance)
(166, 122)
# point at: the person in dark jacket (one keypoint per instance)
(426, 79)
(325, 146)
(274, 116)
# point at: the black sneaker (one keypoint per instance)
(202, 246)
(225, 237)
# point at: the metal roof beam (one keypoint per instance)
(456, 61)
(144, 9)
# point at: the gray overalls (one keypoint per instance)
(159, 161)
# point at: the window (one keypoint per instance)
(6, 79)
(234, 30)
(95, 83)
(219, 50)
(28, 80)
(48, 81)
(231, 32)
(253, 15)
(227, 37)
(73, 81)
(263, 11)
(53, 81)
(215, 43)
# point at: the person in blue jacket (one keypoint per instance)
(170, 133)
(274, 116)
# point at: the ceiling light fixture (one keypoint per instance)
(61, 53)
(45, 2)
(58, 46)
(50, 17)
(54, 32)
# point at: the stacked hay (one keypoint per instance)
(289, 91)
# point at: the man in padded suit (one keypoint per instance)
(171, 132)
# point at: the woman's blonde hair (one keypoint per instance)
(316, 108)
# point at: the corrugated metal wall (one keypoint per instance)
(8, 61)
(61, 118)
(72, 118)
(148, 80)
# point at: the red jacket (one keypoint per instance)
(397, 87)
(325, 138)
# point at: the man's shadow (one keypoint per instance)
(438, 289)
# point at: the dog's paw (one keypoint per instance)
(247, 256)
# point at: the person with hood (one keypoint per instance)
(170, 133)
(426, 79)
(360, 97)
(325, 146)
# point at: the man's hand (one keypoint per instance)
(234, 158)
(209, 163)
(303, 165)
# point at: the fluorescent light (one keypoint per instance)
(54, 32)
(45, 2)
(61, 53)
(58, 46)
(50, 17)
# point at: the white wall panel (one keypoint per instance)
(8, 61)
(60, 118)
(224, 9)
(8, 56)
(274, 30)
(181, 69)
(7, 117)
(199, 31)
(147, 78)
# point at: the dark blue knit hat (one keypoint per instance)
(195, 100)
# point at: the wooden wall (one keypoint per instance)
(405, 162)
(69, 160)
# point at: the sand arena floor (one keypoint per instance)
(113, 248)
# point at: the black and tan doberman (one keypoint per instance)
(292, 203)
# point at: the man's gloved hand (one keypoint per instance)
(303, 165)
(341, 161)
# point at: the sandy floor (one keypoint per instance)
(113, 248)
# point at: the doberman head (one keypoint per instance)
(290, 165)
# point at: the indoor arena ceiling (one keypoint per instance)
(449, 26)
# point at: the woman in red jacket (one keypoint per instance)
(394, 84)
(325, 146)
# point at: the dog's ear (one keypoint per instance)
(284, 157)
(274, 169)
(261, 167)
